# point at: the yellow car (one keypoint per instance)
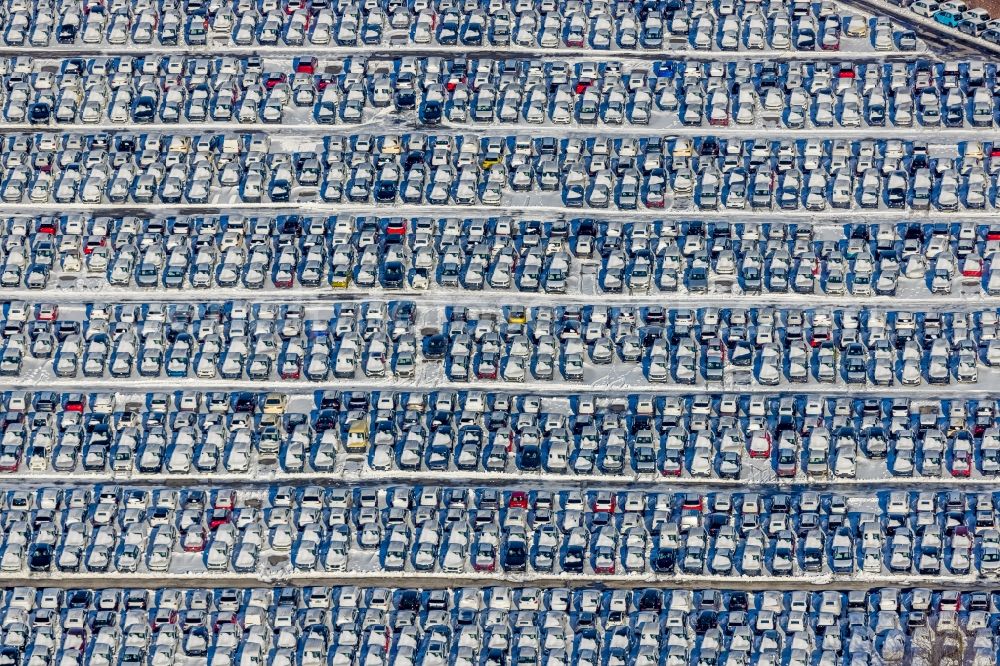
(490, 159)
(357, 436)
(516, 315)
(341, 278)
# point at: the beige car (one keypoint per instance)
(274, 403)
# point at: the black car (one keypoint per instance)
(143, 109)
(393, 274)
(409, 600)
(855, 363)
(67, 33)
(435, 346)
(10, 656)
(707, 619)
(738, 601)
(244, 403)
(515, 556)
(573, 558)
(385, 191)
(664, 559)
(39, 112)
(327, 419)
(430, 113)
(529, 457)
(280, 190)
(40, 557)
(405, 99)
(650, 600)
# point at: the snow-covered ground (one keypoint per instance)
(944, 525)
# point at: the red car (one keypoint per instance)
(274, 79)
(487, 366)
(604, 501)
(950, 599)
(760, 447)
(10, 458)
(607, 560)
(193, 540)
(671, 467)
(518, 500)
(94, 242)
(226, 618)
(820, 334)
(961, 464)
(163, 617)
(218, 517)
(972, 267)
(305, 65)
(485, 558)
(291, 367)
(47, 312)
(692, 502)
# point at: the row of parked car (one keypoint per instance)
(388, 169)
(799, 94)
(705, 436)
(855, 260)
(974, 21)
(175, 341)
(526, 24)
(557, 256)
(461, 531)
(760, 345)
(766, 346)
(492, 626)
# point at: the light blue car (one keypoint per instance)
(947, 17)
